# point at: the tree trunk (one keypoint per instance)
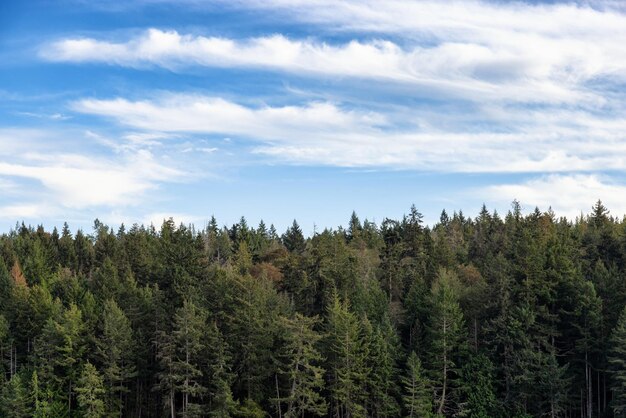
(172, 412)
(445, 369)
(280, 412)
(589, 384)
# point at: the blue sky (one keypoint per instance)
(138, 110)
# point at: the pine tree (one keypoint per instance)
(60, 352)
(417, 398)
(6, 285)
(219, 375)
(116, 348)
(617, 364)
(293, 238)
(354, 227)
(445, 331)
(254, 324)
(167, 377)
(381, 361)
(42, 400)
(14, 399)
(5, 337)
(90, 390)
(304, 375)
(189, 331)
(347, 367)
(479, 388)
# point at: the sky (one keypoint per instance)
(134, 111)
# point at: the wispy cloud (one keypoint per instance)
(78, 181)
(328, 134)
(24, 211)
(39, 179)
(568, 195)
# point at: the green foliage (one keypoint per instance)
(446, 335)
(347, 364)
(500, 316)
(416, 392)
(219, 374)
(617, 363)
(188, 334)
(116, 349)
(305, 377)
(90, 390)
(14, 398)
(478, 385)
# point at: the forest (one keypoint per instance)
(503, 315)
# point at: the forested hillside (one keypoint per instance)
(498, 316)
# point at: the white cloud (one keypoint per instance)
(78, 181)
(568, 195)
(37, 177)
(201, 114)
(475, 50)
(326, 133)
(19, 212)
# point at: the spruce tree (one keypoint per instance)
(416, 397)
(617, 364)
(347, 361)
(90, 392)
(219, 374)
(381, 361)
(190, 323)
(445, 331)
(293, 238)
(14, 399)
(478, 385)
(304, 375)
(116, 349)
(60, 353)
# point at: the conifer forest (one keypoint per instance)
(501, 315)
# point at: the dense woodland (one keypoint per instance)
(514, 316)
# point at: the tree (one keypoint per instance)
(219, 375)
(445, 331)
(617, 364)
(90, 390)
(189, 331)
(347, 361)
(116, 349)
(304, 375)
(14, 399)
(60, 352)
(478, 387)
(293, 238)
(417, 398)
(381, 361)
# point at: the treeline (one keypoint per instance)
(514, 316)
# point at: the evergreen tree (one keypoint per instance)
(14, 399)
(617, 364)
(116, 348)
(416, 395)
(219, 375)
(293, 238)
(90, 390)
(60, 353)
(347, 362)
(304, 375)
(381, 361)
(188, 334)
(445, 331)
(478, 386)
